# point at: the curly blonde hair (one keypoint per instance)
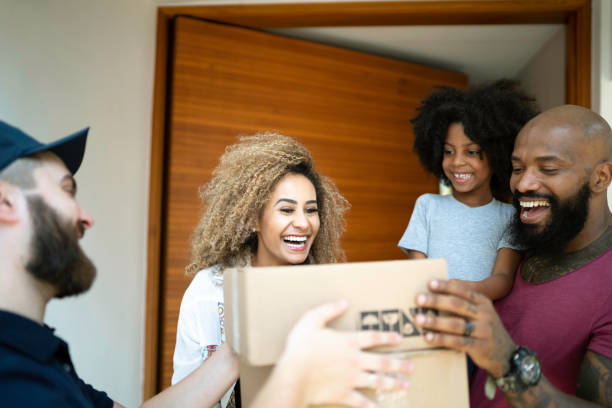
(235, 196)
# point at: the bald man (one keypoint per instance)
(548, 343)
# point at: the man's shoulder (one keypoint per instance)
(21, 337)
(17, 362)
(13, 359)
(26, 382)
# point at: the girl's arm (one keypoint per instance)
(501, 280)
(412, 254)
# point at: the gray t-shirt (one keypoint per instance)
(468, 238)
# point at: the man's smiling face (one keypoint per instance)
(550, 186)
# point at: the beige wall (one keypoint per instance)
(67, 64)
(70, 63)
(544, 75)
(602, 67)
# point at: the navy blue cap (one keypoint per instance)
(14, 143)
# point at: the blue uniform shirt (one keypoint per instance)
(36, 370)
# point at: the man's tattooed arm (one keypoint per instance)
(545, 395)
(595, 379)
(594, 388)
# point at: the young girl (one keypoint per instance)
(466, 139)
(265, 205)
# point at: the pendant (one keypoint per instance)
(490, 387)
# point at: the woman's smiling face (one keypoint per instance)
(288, 223)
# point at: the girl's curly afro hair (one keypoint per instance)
(240, 186)
(491, 115)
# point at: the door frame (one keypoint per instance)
(575, 14)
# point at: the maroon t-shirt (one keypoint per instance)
(560, 320)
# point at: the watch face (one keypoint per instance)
(530, 370)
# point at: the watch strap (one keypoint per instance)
(510, 383)
(512, 380)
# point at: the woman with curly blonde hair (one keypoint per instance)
(266, 205)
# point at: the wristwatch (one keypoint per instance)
(525, 371)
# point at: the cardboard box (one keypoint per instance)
(263, 304)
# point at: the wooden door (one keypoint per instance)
(351, 110)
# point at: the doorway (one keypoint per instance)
(575, 14)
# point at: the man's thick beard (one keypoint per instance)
(55, 254)
(567, 220)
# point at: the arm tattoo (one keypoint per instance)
(594, 384)
(545, 395)
(595, 379)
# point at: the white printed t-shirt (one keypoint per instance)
(200, 324)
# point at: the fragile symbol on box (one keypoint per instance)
(392, 320)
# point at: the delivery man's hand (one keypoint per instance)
(473, 327)
(324, 366)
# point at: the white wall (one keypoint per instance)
(65, 65)
(544, 75)
(602, 67)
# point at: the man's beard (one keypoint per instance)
(55, 254)
(567, 219)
